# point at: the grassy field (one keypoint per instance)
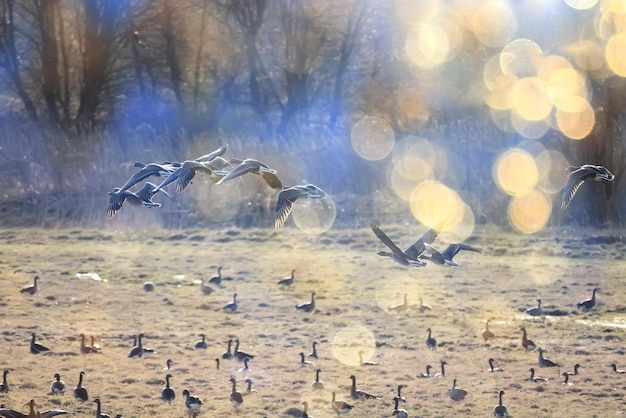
(355, 289)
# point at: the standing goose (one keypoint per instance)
(317, 384)
(305, 409)
(427, 374)
(445, 258)
(534, 379)
(423, 308)
(575, 372)
(410, 256)
(240, 355)
(99, 414)
(500, 410)
(80, 392)
(588, 304)
(308, 306)
(58, 386)
(493, 369)
(526, 343)
(245, 367)
(586, 172)
(401, 307)
(217, 363)
(288, 281)
(288, 196)
(30, 290)
(304, 362)
(168, 364)
(314, 352)
(365, 363)
(137, 350)
(4, 387)
(205, 288)
(255, 167)
(399, 395)
(168, 394)
(443, 369)
(487, 334)
(398, 413)
(228, 355)
(202, 344)
(36, 348)
(359, 394)
(565, 379)
(536, 311)
(143, 197)
(430, 341)
(544, 362)
(456, 394)
(192, 403)
(236, 398)
(86, 349)
(616, 370)
(249, 389)
(10, 413)
(217, 280)
(339, 407)
(232, 306)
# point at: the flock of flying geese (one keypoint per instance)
(219, 171)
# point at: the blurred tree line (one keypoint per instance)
(85, 81)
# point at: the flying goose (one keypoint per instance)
(4, 387)
(427, 374)
(586, 172)
(534, 379)
(80, 392)
(359, 394)
(213, 155)
(232, 306)
(86, 349)
(398, 413)
(256, 167)
(536, 311)
(143, 197)
(317, 384)
(314, 352)
(58, 386)
(340, 407)
(240, 355)
(99, 414)
(10, 413)
(456, 394)
(36, 348)
(168, 394)
(236, 398)
(249, 389)
(430, 341)
(410, 256)
(526, 343)
(187, 171)
(308, 306)
(544, 362)
(500, 410)
(616, 370)
(443, 369)
(493, 369)
(228, 355)
(287, 281)
(575, 372)
(192, 403)
(217, 279)
(202, 344)
(288, 196)
(147, 171)
(588, 304)
(30, 290)
(487, 334)
(365, 363)
(445, 258)
(401, 307)
(304, 362)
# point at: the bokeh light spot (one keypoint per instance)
(615, 56)
(414, 12)
(349, 341)
(434, 204)
(579, 123)
(531, 100)
(520, 57)
(494, 24)
(530, 213)
(554, 173)
(427, 45)
(515, 172)
(372, 138)
(314, 216)
(581, 4)
(406, 173)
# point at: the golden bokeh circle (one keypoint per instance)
(427, 45)
(515, 172)
(553, 172)
(577, 124)
(494, 24)
(434, 204)
(529, 213)
(372, 138)
(531, 100)
(520, 57)
(581, 4)
(615, 56)
(349, 341)
(406, 173)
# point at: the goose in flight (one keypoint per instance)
(445, 258)
(252, 166)
(586, 172)
(408, 257)
(288, 196)
(143, 197)
(147, 171)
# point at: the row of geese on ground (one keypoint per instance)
(219, 171)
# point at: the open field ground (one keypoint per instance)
(354, 290)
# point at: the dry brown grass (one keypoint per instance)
(354, 288)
